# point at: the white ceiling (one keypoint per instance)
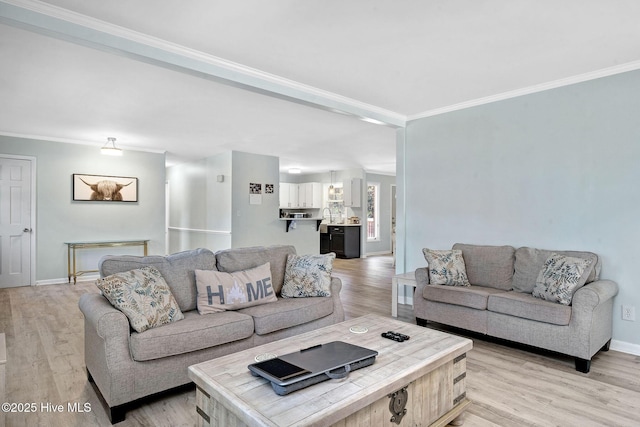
(388, 60)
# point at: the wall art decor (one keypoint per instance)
(104, 188)
(268, 188)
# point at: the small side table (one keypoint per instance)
(405, 279)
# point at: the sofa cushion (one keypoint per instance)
(194, 332)
(560, 277)
(530, 261)
(466, 296)
(526, 306)
(446, 267)
(231, 260)
(490, 266)
(308, 276)
(177, 270)
(218, 291)
(143, 296)
(288, 312)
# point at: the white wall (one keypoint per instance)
(554, 170)
(59, 219)
(199, 205)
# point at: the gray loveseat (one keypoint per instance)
(499, 302)
(126, 365)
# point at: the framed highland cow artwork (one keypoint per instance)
(101, 188)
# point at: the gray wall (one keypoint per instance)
(555, 170)
(199, 202)
(59, 219)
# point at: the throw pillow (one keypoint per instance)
(560, 277)
(308, 276)
(446, 267)
(219, 291)
(143, 296)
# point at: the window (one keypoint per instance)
(373, 211)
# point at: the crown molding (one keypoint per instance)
(605, 72)
(70, 26)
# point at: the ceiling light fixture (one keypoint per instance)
(332, 189)
(295, 170)
(110, 148)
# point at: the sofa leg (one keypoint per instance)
(583, 365)
(421, 322)
(117, 413)
(90, 377)
(606, 346)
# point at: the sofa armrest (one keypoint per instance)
(106, 349)
(336, 285)
(594, 294)
(105, 319)
(422, 276)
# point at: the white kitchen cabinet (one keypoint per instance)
(288, 195)
(310, 195)
(352, 192)
(305, 195)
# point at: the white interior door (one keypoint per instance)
(15, 222)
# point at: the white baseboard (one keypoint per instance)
(65, 281)
(625, 347)
(379, 253)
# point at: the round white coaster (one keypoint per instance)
(358, 329)
(265, 356)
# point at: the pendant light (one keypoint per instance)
(332, 189)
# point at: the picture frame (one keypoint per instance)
(104, 188)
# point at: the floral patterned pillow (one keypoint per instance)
(446, 267)
(143, 296)
(560, 277)
(308, 276)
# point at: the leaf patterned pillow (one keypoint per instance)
(308, 276)
(446, 267)
(143, 296)
(560, 277)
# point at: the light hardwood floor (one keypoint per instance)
(508, 385)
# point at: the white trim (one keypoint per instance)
(625, 347)
(34, 199)
(605, 72)
(379, 253)
(77, 28)
(198, 230)
(65, 280)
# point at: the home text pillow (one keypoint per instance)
(560, 277)
(218, 291)
(446, 267)
(308, 276)
(143, 296)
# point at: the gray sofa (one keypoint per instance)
(126, 365)
(499, 302)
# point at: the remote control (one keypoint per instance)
(398, 334)
(392, 337)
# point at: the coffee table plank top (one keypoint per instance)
(252, 400)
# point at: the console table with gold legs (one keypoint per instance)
(73, 246)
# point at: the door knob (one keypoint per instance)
(27, 230)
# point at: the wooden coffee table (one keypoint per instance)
(417, 382)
